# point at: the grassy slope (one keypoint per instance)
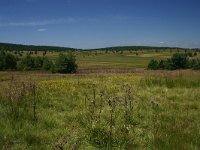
(63, 115)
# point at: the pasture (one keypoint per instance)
(98, 59)
(142, 110)
(112, 102)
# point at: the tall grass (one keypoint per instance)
(18, 103)
(171, 82)
(108, 116)
(101, 112)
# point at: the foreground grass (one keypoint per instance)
(138, 112)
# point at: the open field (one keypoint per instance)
(141, 110)
(107, 61)
(111, 102)
(99, 75)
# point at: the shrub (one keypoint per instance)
(27, 63)
(38, 62)
(66, 63)
(179, 61)
(169, 64)
(7, 61)
(161, 64)
(195, 64)
(34, 63)
(153, 64)
(46, 64)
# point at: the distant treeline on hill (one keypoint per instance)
(129, 48)
(20, 47)
(140, 48)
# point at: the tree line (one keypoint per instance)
(177, 61)
(20, 47)
(65, 63)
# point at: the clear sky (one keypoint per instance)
(101, 23)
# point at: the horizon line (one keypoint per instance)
(172, 47)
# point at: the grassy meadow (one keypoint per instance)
(108, 59)
(140, 109)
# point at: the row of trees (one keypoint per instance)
(34, 63)
(63, 64)
(177, 61)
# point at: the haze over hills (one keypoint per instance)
(22, 47)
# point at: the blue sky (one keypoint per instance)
(101, 23)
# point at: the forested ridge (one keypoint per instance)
(21, 47)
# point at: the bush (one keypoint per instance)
(27, 63)
(35, 63)
(47, 64)
(195, 64)
(169, 64)
(66, 63)
(153, 64)
(7, 61)
(161, 64)
(177, 61)
(38, 62)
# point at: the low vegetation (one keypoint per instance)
(7, 61)
(100, 112)
(177, 61)
(66, 64)
(142, 109)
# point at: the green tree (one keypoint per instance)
(27, 63)
(161, 64)
(2, 60)
(11, 61)
(66, 63)
(7, 61)
(195, 64)
(179, 61)
(153, 64)
(38, 62)
(168, 64)
(47, 64)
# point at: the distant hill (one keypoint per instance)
(20, 47)
(121, 48)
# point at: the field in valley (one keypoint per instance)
(117, 60)
(113, 102)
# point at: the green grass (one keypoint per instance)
(117, 60)
(162, 112)
(184, 82)
(165, 113)
(100, 59)
(114, 61)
